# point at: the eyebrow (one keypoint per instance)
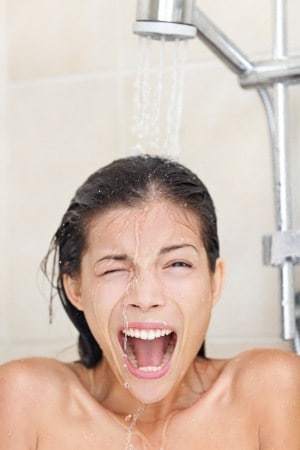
(164, 250)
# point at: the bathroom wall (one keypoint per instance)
(70, 67)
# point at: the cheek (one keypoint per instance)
(191, 291)
(101, 295)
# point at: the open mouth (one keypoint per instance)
(148, 351)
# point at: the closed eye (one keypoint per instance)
(181, 262)
(175, 264)
(112, 271)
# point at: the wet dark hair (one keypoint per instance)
(124, 182)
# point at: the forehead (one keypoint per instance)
(151, 224)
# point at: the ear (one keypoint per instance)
(218, 280)
(72, 288)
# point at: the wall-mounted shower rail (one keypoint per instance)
(281, 168)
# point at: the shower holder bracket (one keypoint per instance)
(273, 71)
(280, 247)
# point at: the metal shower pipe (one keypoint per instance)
(280, 168)
(220, 44)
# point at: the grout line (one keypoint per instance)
(73, 78)
(119, 71)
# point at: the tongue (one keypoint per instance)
(150, 353)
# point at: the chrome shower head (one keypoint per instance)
(171, 19)
(182, 19)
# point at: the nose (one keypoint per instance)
(145, 292)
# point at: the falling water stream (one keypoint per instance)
(137, 414)
(158, 105)
(158, 97)
(132, 418)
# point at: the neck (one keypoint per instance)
(118, 400)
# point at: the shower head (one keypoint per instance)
(171, 19)
(182, 19)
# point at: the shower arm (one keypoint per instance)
(220, 44)
(251, 74)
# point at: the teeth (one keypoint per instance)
(146, 334)
(152, 334)
(150, 368)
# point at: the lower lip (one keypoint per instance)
(147, 375)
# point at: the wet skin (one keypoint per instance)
(149, 281)
(250, 402)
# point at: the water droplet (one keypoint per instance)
(126, 385)
(128, 418)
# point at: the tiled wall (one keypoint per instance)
(71, 67)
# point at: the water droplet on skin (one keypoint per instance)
(129, 417)
(126, 385)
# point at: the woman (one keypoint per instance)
(138, 274)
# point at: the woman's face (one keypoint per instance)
(145, 268)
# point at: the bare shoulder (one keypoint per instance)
(37, 371)
(269, 380)
(30, 381)
(271, 369)
(26, 386)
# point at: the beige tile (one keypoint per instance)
(59, 134)
(4, 161)
(228, 348)
(65, 351)
(247, 24)
(294, 97)
(50, 37)
(293, 10)
(294, 119)
(3, 41)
